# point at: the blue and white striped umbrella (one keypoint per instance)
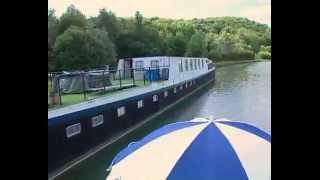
(199, 149)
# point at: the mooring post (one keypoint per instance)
(104, 81)
(83, 87)
(149, 74)
(144, 78)
(51, 79)
(59, 92)
(132, 74)
(120, 78)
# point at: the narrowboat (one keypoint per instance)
(76, 129)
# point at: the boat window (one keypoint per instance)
(165, 93)
(155, 98)
(73, 130)
(175, 90)
(139, 65)
(186, 84)
(202, 63)
(191, 65)
(186, 65)
(121, 111)
(97, 120)
(154, 64)
(181, 87)
(180, 67)
(199, 63)
(195, 64)
(140, 104)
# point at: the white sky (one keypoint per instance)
(258, 10)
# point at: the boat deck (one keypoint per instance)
(124, 94)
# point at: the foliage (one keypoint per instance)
(83, 49)
(72, 17)
(75, 42)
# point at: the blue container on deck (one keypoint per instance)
(152, 74)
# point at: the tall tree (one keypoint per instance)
(196, 46)
(107, 20)
(72, 17)
(83, 49)
(52, 34)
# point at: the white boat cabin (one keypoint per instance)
(178, 68)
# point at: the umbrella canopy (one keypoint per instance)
(197, 149)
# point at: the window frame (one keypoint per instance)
(140, 104)
(165, 94)
(155, 98)
(121, 111)
(97, 120)
(74, 133)
(141, 66)
(156, 65)
(186, 65)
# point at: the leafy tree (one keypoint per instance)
(83, 49)
(177, 45)
(196, 45)
(72, 17)
(264, 53)
(107, 20)
(52, 33)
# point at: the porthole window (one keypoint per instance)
(73, 130)
(140, 104)
(121, 111)
(97, 120)
(155, 98)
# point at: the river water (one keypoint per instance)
(242, 92)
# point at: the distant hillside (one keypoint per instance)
(76, 42)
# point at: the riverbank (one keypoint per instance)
(226, 62)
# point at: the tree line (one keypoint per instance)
(78, 42)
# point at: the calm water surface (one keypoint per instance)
(242, 92)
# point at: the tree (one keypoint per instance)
(177, 45)
(139, 19)
(108, 21)
(196, 45)
(83, 49)
(264, 53)
(72, 17)
(52, 34)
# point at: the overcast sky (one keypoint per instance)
(258, 10)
